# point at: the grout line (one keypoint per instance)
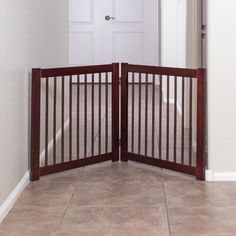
(67, 206)
(167, 213)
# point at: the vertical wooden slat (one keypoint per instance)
(160, 119)
(106, 119)
(153, 113)
(168, 118)
(62, 116)
(132, 115)
(124, 113)
(78, 118)
(175, 117)
(190, 119)
(99, 113)
(70, 118)
(139, 113)
(35, 124)
(92, 128)
(201, 125)
(85, 115)
(54, 119)
(46, 124)
(146, 114)
(182, 124)
(115, 112)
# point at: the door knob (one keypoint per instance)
(109, 18)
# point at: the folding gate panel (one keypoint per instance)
(74, 118)
(162, 115)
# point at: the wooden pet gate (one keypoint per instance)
(75, 117)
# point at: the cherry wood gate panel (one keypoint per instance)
(74, 118)
(163, 117)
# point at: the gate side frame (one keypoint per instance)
(124, 112)
(35, 124)
(115, 112)
(201, 121)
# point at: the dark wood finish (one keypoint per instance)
(163, 70)
(168, 118)
(106, 114)
(85, 115)
(175, 117)
(62, 116)
(70, 118)
(115, 112)
(68, 71)
(160, 119)
(153, 113)
(124, 112)
(201, 124)
(99, 113)
(54, 120)
(35, 125)
(132, 115)
(75, 164)
(139, 112)
(92, 128)
(146, 114)
(169, 72)
(182, 124)
(37, 74)
(162, 163)
(78, 117)
(46, 123)
(190, 120)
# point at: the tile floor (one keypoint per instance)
(123, 199)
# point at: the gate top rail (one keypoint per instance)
(171, 71)
(69, 71)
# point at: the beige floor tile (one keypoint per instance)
(28, 221)
(115, 221)
(172, 176)
(47, 194)
(70, 176)
(200, 194)
(134, 194)
(120, 172)
(202, 220)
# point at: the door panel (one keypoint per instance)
(132, 34)
(81, 11)
(82, 43)
(84, 32)
(131, 43)
(128, 11)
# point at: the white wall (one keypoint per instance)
(33, 34)
(174, 41)
(222, 87)
(174, 33)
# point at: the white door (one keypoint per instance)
(106, 31)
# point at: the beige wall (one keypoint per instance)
(222, 85)
(33, 34)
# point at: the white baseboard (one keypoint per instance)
(220, 176)
(50, 144)
(9, 202)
